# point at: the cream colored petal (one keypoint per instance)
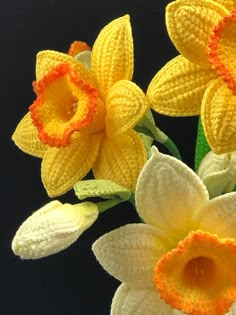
(177, 89)
(190, 23)
(232, 310)
(218, 113)
(48, 59)
(219, 216)
(26, 138)
(218, 172)
(53, 228)
(121, 159)
(63, 167)
(126, 104)
(169, 195)
(131, 252)
(129, 301)
(112, 54)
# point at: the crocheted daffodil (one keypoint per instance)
(53, 228)
(202, 80)
(184, 257)
(83, 118)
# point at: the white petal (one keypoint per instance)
(169, 194)
(129, 301)
(218, 172)
(232, 310)
(218, 216)
(53, 228)
(131, 252)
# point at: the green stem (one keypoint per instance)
(160, 137)
(170, 145)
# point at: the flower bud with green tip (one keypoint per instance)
(218, 172)
(53, 228)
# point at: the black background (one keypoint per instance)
(71, 282)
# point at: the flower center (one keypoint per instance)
(199, 275)
(199, 272)
(65, 103)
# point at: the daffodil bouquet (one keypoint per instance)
(89, 115)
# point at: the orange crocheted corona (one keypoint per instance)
(76, 47)
(222, 49)
(65, 104)
(199, 276)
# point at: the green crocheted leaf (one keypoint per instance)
(100, 188)
(202, 147)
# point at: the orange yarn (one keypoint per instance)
(76, 47)
(64, 122)
(214, 51)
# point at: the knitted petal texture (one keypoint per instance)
(63, 167)
(222, 50)
(53, 228)
(121, 159)
(177, 89)
(221, 211)
(190, 23)
(228, 4)
(130, 253)
(218, 172)
(218, 114)
(169, 194)
(48, 59)
(26, 137)
(112, 54)
(126, 104)
(129, 301)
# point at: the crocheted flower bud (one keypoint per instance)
(53, 228)
(218, 172)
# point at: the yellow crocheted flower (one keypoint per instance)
(202, 80)
(183, 260)
(85, 110)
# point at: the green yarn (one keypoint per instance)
(202, 147)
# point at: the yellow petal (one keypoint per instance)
(130, 300)
(131, 252)
(177, 89)
(169, 195)
(222, 49)
(63, 167)
(112, 54)
(26, 138)
(53, 228)
(48, 59)
(218, 216)
(190, 23)
(219, 117)
(121, 159)
(228, 4)
(126, 104)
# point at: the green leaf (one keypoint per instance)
(202, 146)
(100, 188)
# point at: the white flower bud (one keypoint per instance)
(53, 228)
(218, 172)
